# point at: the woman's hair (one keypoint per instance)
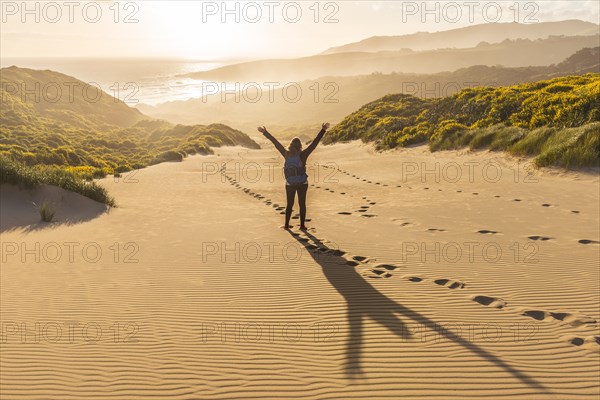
(295, 146)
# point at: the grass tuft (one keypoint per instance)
(46, 211)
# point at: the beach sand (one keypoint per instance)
(450, 275)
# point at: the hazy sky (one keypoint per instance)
(195, 29)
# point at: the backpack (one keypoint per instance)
(294, 170)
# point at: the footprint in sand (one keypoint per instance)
(542, 238)
(587, 241)
(450, 283)
(368, 215)
(436, 230)
(414, 279)
(575, 211)
(577, 341)
(345, 213)
(486, 232)
(589, 340)
(379, 274)
(488, 301)
(399, 221)
(516, 199)
(573, 319)
(388, 267)
(382, 270)
(537, 315)
(546, 205)
(569, 318)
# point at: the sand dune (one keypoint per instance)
(442, 276)
(19, 207)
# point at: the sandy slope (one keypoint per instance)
(197, 293)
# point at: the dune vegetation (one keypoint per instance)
(556, 121)
(67, 140)
(94, 154)
(28, 177)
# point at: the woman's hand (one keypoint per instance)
(262, 129)
(325, 126)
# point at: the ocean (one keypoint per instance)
(135, 81)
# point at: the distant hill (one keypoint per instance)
(556, 120)
(92, 138)
(302, 118)
(585, 60)
(508, 53)
(63, 98)
(469, 36)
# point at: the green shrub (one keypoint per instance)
(446, 134)
(168, 156)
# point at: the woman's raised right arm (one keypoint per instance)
(275, 142)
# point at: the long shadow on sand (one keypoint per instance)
(363, 300)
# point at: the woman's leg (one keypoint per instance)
(290, 192)
(302, 189)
